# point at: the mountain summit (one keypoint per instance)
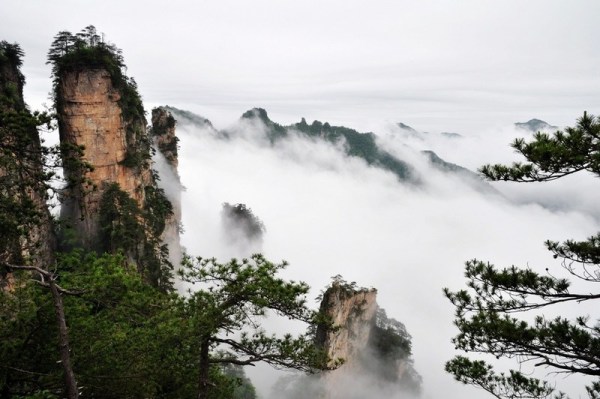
(536, 125)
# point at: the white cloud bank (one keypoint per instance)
(328, 214)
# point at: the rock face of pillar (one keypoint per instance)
(374, 351)
(102, 145)
(26, 230)
(112, 202)
(352, 313)
(165, 141)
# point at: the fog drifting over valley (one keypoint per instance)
(330, 214)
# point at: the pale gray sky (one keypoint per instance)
(437, 65)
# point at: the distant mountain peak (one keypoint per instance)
(189, 117)
(259, 113)
(535, 125)
(451, 135)
(405, 127)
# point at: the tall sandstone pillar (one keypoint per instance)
(166, 143)
(91, 117)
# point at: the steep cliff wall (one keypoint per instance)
(375, 350)
(26, 232)
(112, 201)
(91, 118)
(165, 141)
(352, 312)
(164, 135)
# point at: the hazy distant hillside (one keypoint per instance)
(189, 117)
(536, 125)
(412, 132)
(360, 145)
(406, 127)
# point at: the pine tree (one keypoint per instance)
(487, 312)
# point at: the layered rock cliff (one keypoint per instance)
(351, 312)
(165, 138)
(112, 202)
(374, 351)
(26, 232)
(91, 118)
(165, 141)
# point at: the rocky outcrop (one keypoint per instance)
(351, 312)
(26, 231)
(163, 133)
(165, 141)
(374, 351)
(112, 201)
(91, 118)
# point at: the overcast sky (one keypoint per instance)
(435, 65)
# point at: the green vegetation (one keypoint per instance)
(243, 388)
(22, 173)
(123, 333)
(356, 144)
(189, 117)
(163, 125)
(128, 339)
(120, 221)
(87, 50)
(391, 345)
(274, 130)
(379, 348)
(360, 145)
(24, 162)
(124, 227)
(233, 298)
(240, 219)
(11, 78)
(389, 337)
(108, 324)
(487, 311)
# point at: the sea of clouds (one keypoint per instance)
(328, 214)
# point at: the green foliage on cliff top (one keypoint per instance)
(24, 176)
(11, 78)
(163, 122)
(87, 50)
(84, 50)
(240, 222)
(11, 54)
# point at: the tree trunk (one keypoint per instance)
(63, 340)
(203, 378)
